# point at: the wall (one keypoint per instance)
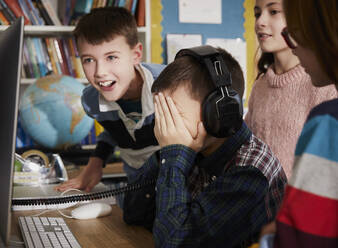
(237, 22)
(231, 27)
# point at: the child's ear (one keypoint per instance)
(137, 53)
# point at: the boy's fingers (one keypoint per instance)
(166, 112)
(157, 117)
(161, 118)
(201, 132)
(177, 119)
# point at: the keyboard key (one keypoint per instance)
(47, 232)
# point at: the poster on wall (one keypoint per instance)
(176, 42)
(200, 11)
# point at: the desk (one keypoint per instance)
(109, 231)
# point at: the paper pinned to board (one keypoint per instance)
(176, 42)
(200, 11)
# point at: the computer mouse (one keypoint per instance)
(91, 210)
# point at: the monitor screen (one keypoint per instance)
(11, 41)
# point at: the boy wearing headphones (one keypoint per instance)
(217, 184)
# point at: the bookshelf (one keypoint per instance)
(66, 31)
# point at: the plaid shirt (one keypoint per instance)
(223, 205)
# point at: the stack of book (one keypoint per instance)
(42, 12)
(42, 56)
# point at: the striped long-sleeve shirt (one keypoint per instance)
(309, 214)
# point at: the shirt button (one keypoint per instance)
(163, 161)
(148, 196)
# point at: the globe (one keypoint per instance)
(51, 112)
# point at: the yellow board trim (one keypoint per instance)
(156, 29)
(251, 45)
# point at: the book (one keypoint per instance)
(67, 58)
(81, 8)
(51, 12)
(7, 12)
(16, 9)
(78, 64)
(60, 57)
(3, 19)
(26, 10)
(27, 62)
(65, 10)
(51, 55)
(45, 56)
(32, 57)
(35, 12)
(141, 13)
(133, 7)
(55, 55)
(43, 12)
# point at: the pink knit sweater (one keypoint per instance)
(278, 108)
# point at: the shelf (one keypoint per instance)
(54, 30)
(28, 81)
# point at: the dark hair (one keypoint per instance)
(187, 71)
(314, 25)
(104, 24)
(265, 60)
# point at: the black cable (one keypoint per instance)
(82, 197)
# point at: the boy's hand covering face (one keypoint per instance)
(170, 128)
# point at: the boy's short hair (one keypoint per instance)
(187, 71)
(104, 24)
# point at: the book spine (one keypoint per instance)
(141, 13)
(15, 7)
(35, 12)
(59, 56)
(3, 19)
(78, 64)
(43, 12)
(67, 57)
(55, 55)
(51, 56)
(45, 55)
(133, 6)
(25, 9)
(27, 62)
(52, 13)
(7, 12)
(32, 57)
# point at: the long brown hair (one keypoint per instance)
(314, 25)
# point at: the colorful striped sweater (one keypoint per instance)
(309, 213)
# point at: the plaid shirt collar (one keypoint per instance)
(225, 153)
(203, 174)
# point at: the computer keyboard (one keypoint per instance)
(46, 232)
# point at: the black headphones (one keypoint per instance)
(222, 109)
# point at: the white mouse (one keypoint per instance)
(91, 210)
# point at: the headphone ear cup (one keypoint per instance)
(209, 114)
(230, 110)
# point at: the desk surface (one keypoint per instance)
(109, 231)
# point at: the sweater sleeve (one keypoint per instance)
(308, 216)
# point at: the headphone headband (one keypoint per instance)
(212, 59)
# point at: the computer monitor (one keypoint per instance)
(11, 41)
